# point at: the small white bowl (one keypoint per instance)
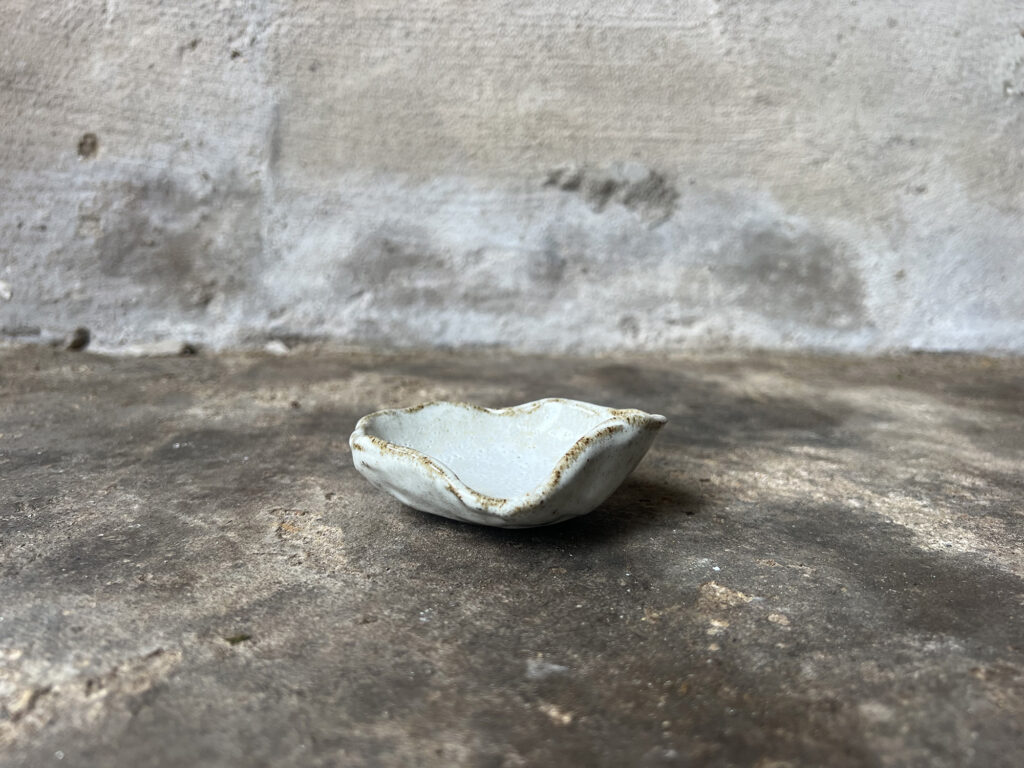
(533, 464)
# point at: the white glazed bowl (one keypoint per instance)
(532, 464)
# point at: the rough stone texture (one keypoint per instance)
(821, 562)
(574, 175)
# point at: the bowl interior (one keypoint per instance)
(504, 454)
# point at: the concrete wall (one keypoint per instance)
(572, 175)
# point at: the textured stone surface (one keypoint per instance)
(819, 563)
(564, 176)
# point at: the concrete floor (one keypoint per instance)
(821, 562)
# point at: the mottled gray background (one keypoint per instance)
(550, 176)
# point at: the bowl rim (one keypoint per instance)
(618, 419)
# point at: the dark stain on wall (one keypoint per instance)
(405, 265)
(186, 244)
(400, 265)
(797, 276)
(88, 145)
(547, 267)
(646, 192)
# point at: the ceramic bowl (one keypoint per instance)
(533, 464)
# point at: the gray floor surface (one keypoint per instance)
(820, 562)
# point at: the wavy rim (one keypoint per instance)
(560, 474)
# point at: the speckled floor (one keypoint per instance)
(821, 562)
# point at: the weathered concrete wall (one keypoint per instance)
(545, 175)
